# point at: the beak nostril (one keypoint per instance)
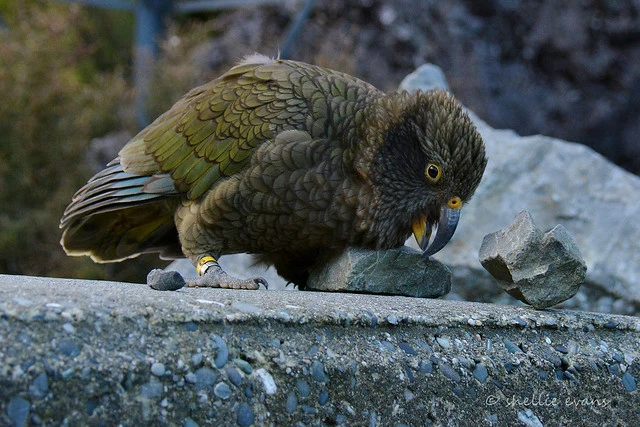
(454, 203)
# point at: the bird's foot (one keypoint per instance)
(211, 275)
(216, 277)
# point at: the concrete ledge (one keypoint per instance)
(102, 353)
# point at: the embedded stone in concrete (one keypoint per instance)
(401, 271)
(539, 270)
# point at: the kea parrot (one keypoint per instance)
(285, 160)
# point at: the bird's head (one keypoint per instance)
(428, 165)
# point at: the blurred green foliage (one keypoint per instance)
(63, 81)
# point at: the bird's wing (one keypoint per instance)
(212, 132)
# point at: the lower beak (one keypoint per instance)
(445, 227)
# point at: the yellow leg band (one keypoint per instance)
(204, 264)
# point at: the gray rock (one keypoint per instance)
(222, 355)
(558, 182)
(426, 77)
(40, 386)
(158, 369)
(18, 411)
(222, 390)
(165, 280)
(245, 415)
(539, 270)
(205, 378)
(401, 271)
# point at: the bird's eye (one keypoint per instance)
(433, 172)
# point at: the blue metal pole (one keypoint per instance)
(151, 17)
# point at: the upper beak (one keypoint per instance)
(446, 226)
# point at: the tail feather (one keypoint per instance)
(118, 215)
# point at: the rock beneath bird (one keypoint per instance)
(401, 271)
(541, 270)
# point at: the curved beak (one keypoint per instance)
(445, 227)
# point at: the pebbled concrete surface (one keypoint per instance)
(103, 353)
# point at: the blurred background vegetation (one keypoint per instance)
(564, 69)
(66, 81)
(57, 96)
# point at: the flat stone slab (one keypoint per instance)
(87, 352)
(402, 271)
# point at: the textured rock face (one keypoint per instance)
(558, 182)
(400, 271)
(539, 270)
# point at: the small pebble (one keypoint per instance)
(165, 280)
(222, 390)
(18, 410)
(444, 343)
(312, 351)
(611, 324)
(480, 372)
(407, 348)
(196, 359)
(243, 365)
(234, 376)
(205, 378)
(629, 382)
(426, 367)
(317, 372)
(68, 328)
(152, 389)
(561, 349)
(303, 388)
(68, 348)
(245, 416)
(392, 320)
(449, 372)
(292, 403)
(188, 422)
(222, 356)
(191, 378)
(409, 374)
(511, 346)
(373, 318)
(309, 410)
(520, 321)
(323, 397)
(509, 367)
(388, 346)
(267, 381)
(157, 369)
(40, 386)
